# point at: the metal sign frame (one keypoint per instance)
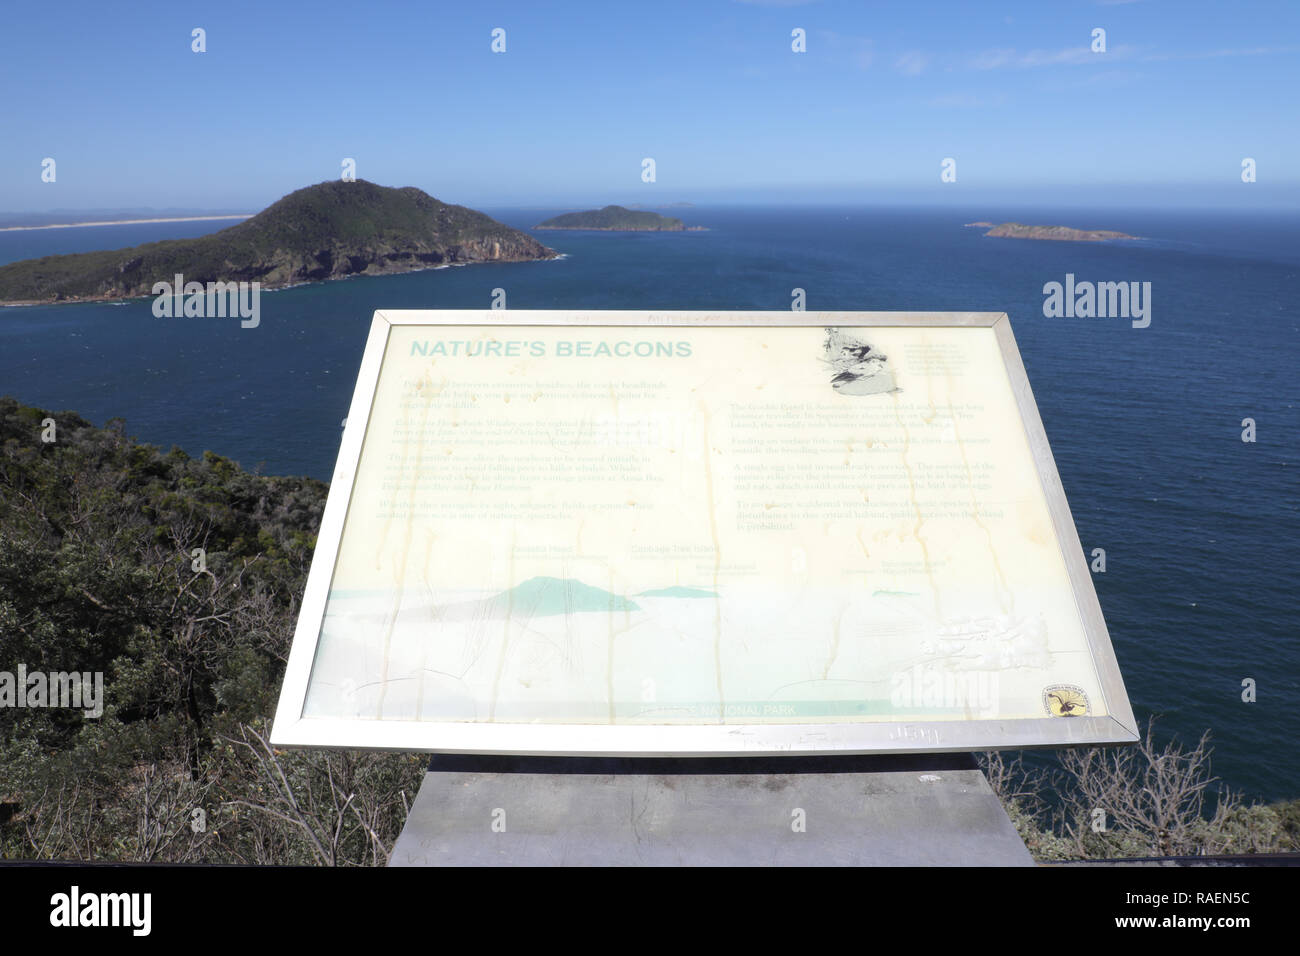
(291, 728)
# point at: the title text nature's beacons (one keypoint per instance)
(515, 348)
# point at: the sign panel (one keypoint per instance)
(697, 533)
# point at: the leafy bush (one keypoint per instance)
(97, 573)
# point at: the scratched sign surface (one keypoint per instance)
(685, 525)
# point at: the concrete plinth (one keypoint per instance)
(913, 810)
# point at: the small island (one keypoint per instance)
(332, 230)
(1017, 230)
(618, 219)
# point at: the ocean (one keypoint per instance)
(1201, 530)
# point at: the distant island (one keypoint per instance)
(618, 219)
(1017, 230)
(328, 231)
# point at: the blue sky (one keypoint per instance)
(711, 90)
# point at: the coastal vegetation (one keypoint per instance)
(1154, 799)
(179, 579)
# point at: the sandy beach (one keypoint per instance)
(122, 222)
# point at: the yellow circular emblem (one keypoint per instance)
(1065, 700)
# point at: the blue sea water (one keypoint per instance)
(1201, 530)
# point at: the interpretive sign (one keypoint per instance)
(694, 533)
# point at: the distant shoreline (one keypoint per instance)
(621, 229)
(123, 222)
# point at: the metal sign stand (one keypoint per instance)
(894, 810)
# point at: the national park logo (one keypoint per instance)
(1065, 700)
